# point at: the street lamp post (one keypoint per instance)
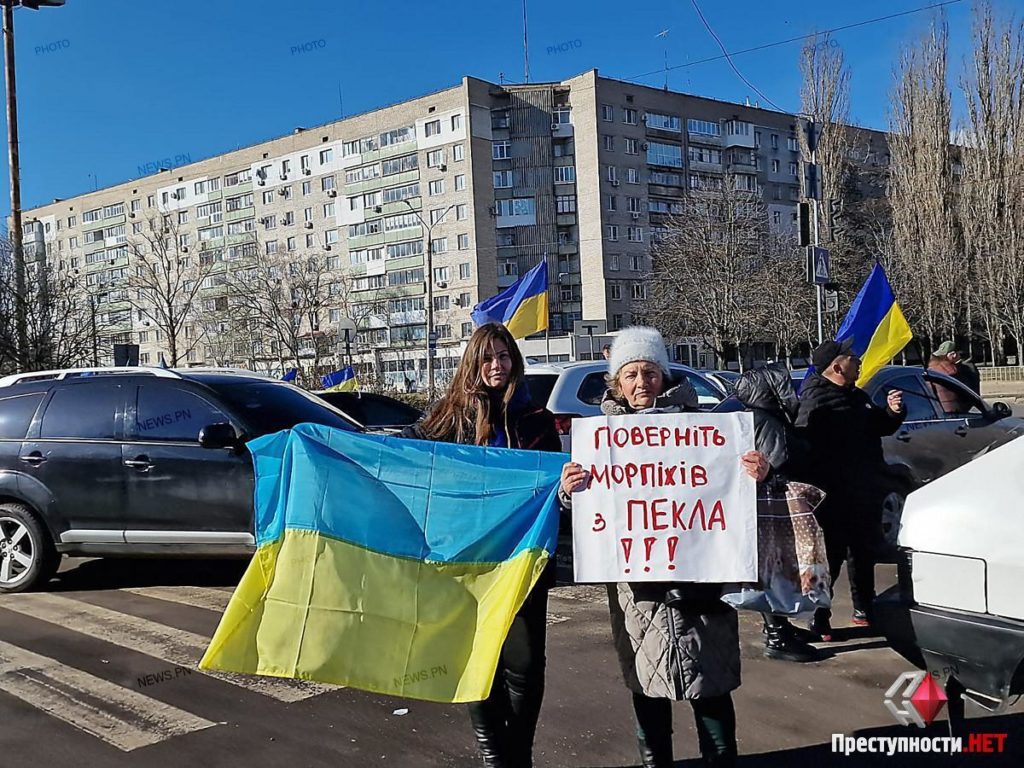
(430, 292)
(20, 319)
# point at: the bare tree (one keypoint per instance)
(59, 316)
(992, 188)
(926, 266)
(706, 268)
(165, 281)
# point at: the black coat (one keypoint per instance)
(845, 430)
(769, 395)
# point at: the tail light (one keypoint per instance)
(563, 422)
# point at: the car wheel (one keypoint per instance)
(27, 556)
(892, 513)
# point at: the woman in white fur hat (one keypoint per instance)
(675, 641)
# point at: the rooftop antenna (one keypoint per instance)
(341, 101)
(526, 48)
(664, 34)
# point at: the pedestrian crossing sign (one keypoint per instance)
(818, 266)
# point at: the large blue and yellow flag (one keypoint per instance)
(876, 324)
(390, 565)
(340, 381)
(522, 307)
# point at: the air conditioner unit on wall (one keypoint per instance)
(332, 193)
(615, 182)
(306, 171)
(555, 126)
(635, 215)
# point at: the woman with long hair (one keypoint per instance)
(488, 404)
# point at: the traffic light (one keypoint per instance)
(804, 217)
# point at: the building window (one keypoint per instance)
(611, 232)
(502, 179)
(435, 157)
(458, 153)
(636, 263)
(439, 245)
(327, 183)
(464, 271)
(613, 262)
(307, 187)
(632, 147)
(629, 116)
(665, 154)
(329, 210)
(607, 113)
(461, 212)
(614, 291)
(501, 150)
(436, 187)
(268, 197)
(638, 291)
(791, 144)
(775, 140)
(664, 122)
(635, 234)
(792, 169)
(775, 166)
(433, 128)
(609, 143)
(456, 122)
(291, 243)
(326, 156)
(271, 247)
(776, 218)
(632, 176)
(464, 242)
(565, 174)
(467, 329)
(612, 203)
(565, 204)
(703, 127)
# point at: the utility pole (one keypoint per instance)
(20, 319)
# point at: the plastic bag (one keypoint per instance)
(793, 576)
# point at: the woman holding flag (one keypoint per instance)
(488, 404)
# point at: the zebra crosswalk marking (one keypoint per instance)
(119, 716)
(197, 597)
(176, 646)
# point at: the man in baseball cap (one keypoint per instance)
(845, 430)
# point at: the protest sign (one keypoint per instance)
(668, 499)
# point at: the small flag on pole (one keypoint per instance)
(522, 307)
(340, 381)
(290, 375)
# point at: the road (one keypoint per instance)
(100, 673)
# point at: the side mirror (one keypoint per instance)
(1001, 410)
(221, 435)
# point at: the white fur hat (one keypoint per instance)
(638, 343)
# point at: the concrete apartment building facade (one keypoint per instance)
(581, 173)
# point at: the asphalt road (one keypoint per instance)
(100, 673)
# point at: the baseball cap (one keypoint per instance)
(944, 349)
(825, 353)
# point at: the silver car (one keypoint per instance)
(570, 390)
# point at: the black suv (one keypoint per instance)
(140, 461)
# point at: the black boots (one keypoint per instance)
(781, 643)
(656, 753)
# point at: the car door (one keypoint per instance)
(971, 428)
(179, 492)
(74, 451)
(915, 443)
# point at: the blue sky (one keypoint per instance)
(106, 86)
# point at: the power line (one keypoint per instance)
(728, 58)
(800, 38)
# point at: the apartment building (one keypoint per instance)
(581, 173)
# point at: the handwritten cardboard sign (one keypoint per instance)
(668, 499)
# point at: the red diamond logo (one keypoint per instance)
(928, 699)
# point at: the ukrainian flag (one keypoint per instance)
(522, 307)
(876, 324)
(340, 381)
(389, 565)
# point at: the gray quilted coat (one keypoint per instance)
(689, 649)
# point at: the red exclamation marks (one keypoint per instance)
(648, 546)
(627, 547)
(673, 542)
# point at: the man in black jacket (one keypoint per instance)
(845, 430)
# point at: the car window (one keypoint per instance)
(920, 406)
(540, 385)
(83, 411)
(592, 388)
(957, 402)
(271, 407)
(706, 394)
(387, 413)
(16, 414)
(169, 413)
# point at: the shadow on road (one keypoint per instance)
(112, 573)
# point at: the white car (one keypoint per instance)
(570, 390)
(958, 610)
